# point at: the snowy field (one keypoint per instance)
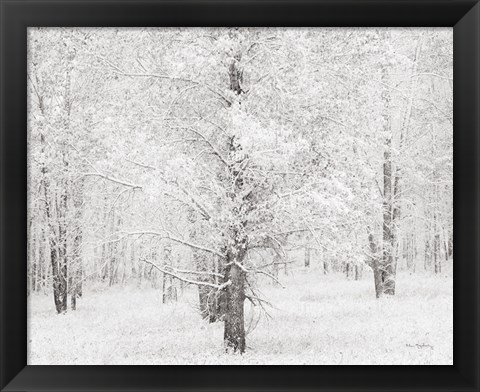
(318, 319)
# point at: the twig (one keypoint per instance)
(167, 235)
(270, 276)
(115, 180)
(195, 282)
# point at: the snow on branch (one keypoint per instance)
(148, 74)
(294, 231)
(115, 180)
(144, 165)
(169, 236)
(197, 272)
(195, 204)
(195, 282)
(104, 176)
(215, 151)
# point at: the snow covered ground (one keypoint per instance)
(318, 319)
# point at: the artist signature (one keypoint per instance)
(421, 345)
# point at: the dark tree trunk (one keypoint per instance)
(236, 75)
(33, 277)
(59, 270)
(41, 260)
(445, 246)
(164, 287)
(62, 260)
(326, 268)
(79, 286)
(275, 266)
(450, 244)
(73, 294)
(169, 291)
(75, 270)
(307, 257)
(32, 246)
(427, 260)
(77, 244)
(388, 269)
(236, 248)
(210, 299)
(57, 257)
(437, 261)
(390, 205)
(358, 272)
(113, 253)
(376, 266)
(234, 332)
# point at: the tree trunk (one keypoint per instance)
(376, 266)
(62, 271)
(210, 300)
(203, 292)
(73, 294)
(59, 284)
(236, 248)
(57, 257)
(445, 245)
(427, 259)
(169, 289)
(164, 288)
(41, 257)
(59, 273)
(235, 74)
(275, 267)
(450, 244)
(234, 333)
(437, 260)
(307, 257)
(33, 264)
(411, 254)
(391, 209)
(358, 272)
(76, 265)
(326, 268)
(210, 304)
(388, 270)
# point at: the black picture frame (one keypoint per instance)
(17, 15)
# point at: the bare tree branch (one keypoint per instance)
(269, 275)
(115, 180)
(215, 151)
(168, 235)
(195, 282)
(197, 272)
